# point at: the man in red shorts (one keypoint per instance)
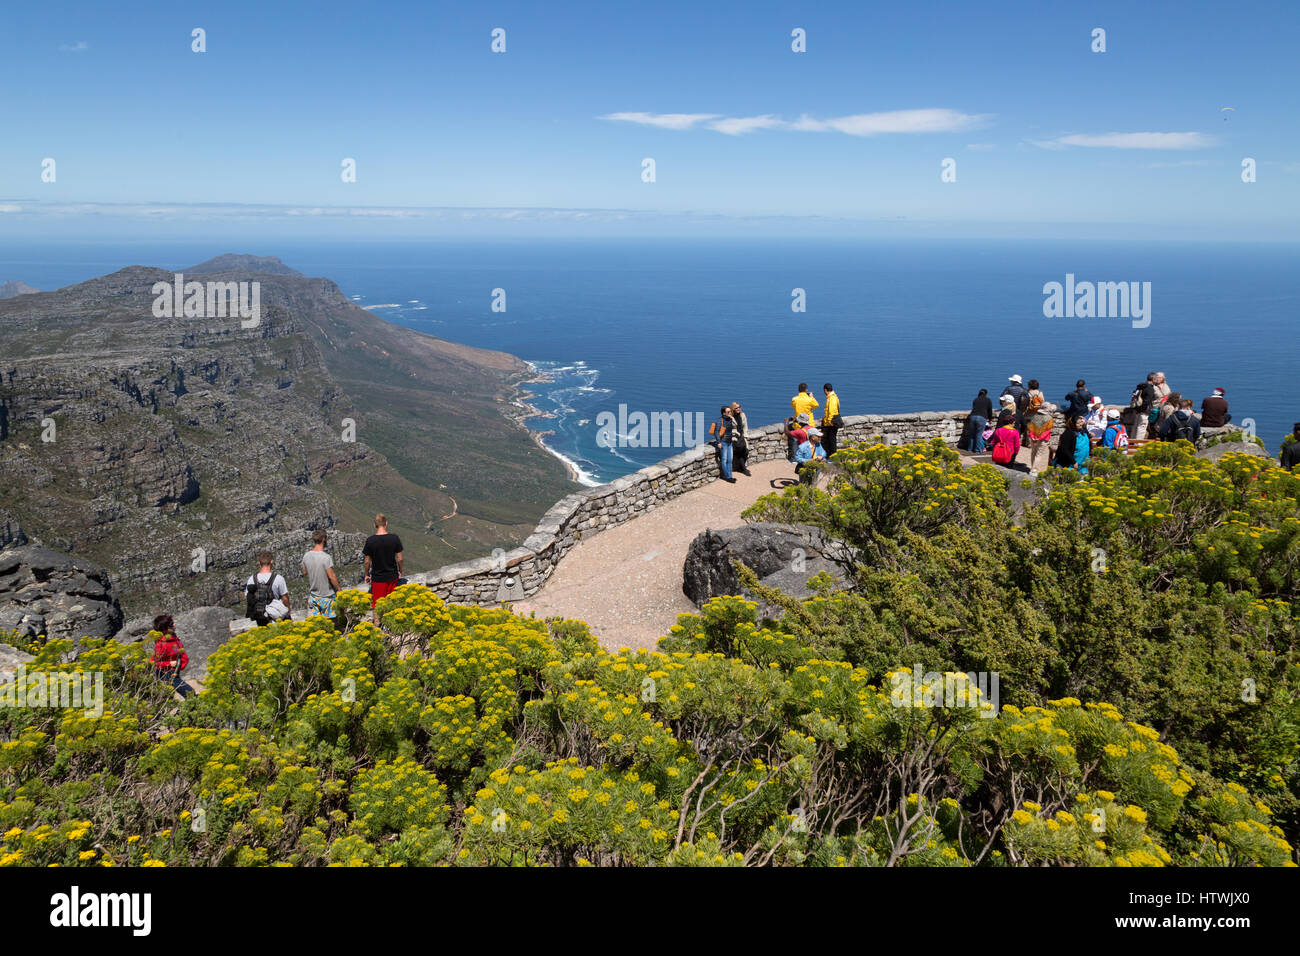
(383, 556)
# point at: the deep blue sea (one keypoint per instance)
(685, 326)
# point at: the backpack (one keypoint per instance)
(259, 596)
(1185, 431)
(1002, 452)
(1120, 441)
(1142, 395)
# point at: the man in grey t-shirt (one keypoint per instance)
(318, 566)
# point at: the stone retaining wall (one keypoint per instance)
(522, 572)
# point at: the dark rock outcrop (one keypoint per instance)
(11, 532)
(783, 556)
(45, 592)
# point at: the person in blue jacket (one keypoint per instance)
(1082, 446)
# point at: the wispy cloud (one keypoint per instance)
(1131, 141)
(81, 46)
(1181, 162)
(980, 147)
(662, 120)
(736, 125)
(894, 121)
(858, 124)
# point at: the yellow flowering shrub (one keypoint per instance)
(446, 735)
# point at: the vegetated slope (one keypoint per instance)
(171, 435)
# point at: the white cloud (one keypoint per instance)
(662, 120)
(734, 126)
(980, 147)
(858, 124)
(1131, 141)
(1181, 162)
(894, 121)
(81, 46)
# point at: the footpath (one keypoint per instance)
(626, 582)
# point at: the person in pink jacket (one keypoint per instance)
(1005, 443)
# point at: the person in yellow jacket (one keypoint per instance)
(830, 420)
(803, 404)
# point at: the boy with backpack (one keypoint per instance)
(1181, 425)
(267, 594)
(1116, 435)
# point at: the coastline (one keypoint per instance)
(527, 411)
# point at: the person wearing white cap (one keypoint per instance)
(1019, 401)
(1116, 435)
(1096, 418)
(1015, 390)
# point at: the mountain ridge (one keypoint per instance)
(173, 436)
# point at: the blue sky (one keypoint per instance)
(846, 138)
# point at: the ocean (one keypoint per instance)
(665, 326)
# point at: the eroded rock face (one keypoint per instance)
(46, 592)
(783, 556)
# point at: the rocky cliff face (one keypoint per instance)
(172, 450)
(44, 592)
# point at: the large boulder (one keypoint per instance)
(202, 630)
(1215, 452)
(47, 592)
(11, 658)
(783, 556)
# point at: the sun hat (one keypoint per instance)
(1113, 413)
(1014, 378)
(1219, 391)
(803, 418)
(814, 433)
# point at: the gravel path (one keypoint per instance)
(626, 581)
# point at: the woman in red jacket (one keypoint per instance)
(169, 657)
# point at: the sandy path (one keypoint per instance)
(626, 581)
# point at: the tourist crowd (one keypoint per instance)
(1026, 419)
